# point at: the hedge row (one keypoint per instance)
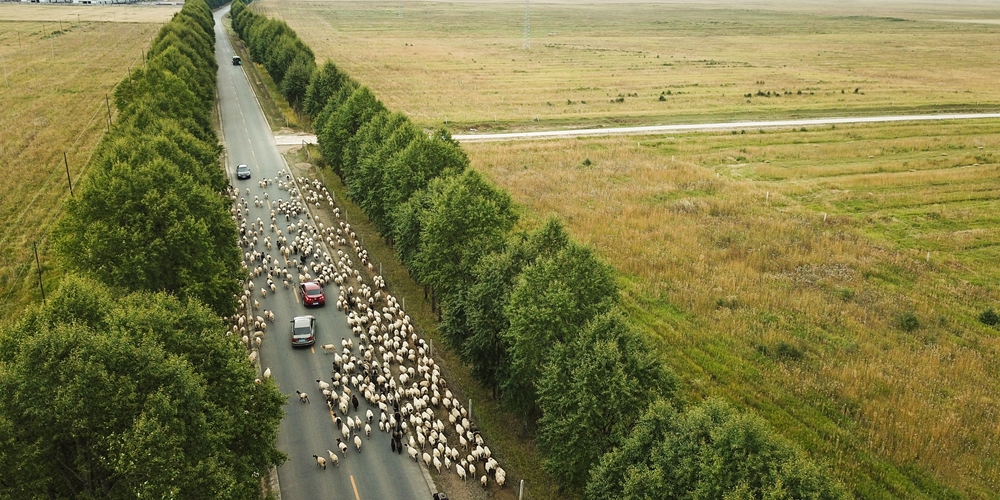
(536, 315)
(273, 44)
(126, 384)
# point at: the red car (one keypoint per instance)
(312, 294)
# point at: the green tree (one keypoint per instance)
(553, 299)
(359, 108)
(333, 103)
(474, 322)
(412, 168)
(363, 178)
(296, 80)
(608, 476)
(371, 176)
(588, 394)
(407, 230)
(323, 84)
(142, 138)
(157, 93)
(710, 451)
(150, 227)
(130, 397)
(465, 219)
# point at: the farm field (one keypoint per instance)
(782, 270)
(53, 100)
(829, 277)
(71, 14)
(464, 62)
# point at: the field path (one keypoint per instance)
(295, 140)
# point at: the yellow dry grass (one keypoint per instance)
(464, 63)
(773, 269)
(103, 13)
(53, 103)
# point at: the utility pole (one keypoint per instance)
(39, 266)
(108, 102)
(68, 178)
(527, 27)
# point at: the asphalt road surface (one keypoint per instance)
(307, 429)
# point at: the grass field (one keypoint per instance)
(464, 62)
(53, 99)
(829, 277)
(777, 270)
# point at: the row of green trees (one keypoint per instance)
(273, 44)
(126, 384)
(535, 314)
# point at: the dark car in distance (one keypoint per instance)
(243, 172)
(303, 331)
(312, 294)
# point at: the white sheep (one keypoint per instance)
(320, 461)
(357, 442)
(303, 397)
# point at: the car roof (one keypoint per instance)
(310, 285)
(301, 321)
(244, 166)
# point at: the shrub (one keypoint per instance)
(989, 317)
(908, 321)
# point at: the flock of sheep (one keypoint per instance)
(390, 368)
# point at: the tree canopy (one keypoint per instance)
(137, 396)
(710, 451)
(588, 394)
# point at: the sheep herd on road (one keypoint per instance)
(390, 367)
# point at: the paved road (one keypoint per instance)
(307, 429)
(292, 140)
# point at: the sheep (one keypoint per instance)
(342, 446)
(267, 373)
(427, 459)
(368, 430)
(412, 452)
(322, 385)
(460, 470)
(357, 442)
(320, 461)
(329, 348)
(345, 431)
(483, 480)
(437, 464)
(253, 357)
(500, 476)
(303, 397)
